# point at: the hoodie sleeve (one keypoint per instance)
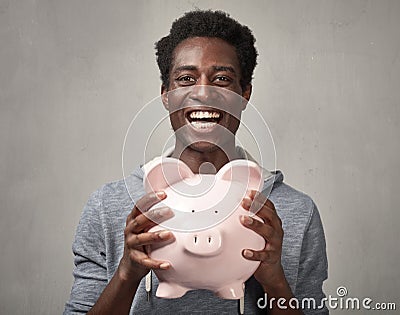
(313, 267)
(90, 272)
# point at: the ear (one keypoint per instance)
(164, 96)
(246, 94)
(243, 171)
(163, 173)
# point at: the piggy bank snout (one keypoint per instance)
(205, 243)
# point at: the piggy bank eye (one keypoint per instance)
(216, 211)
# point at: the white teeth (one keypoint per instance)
(204, 114)
(202, 125)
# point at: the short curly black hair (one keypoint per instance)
(207, 23)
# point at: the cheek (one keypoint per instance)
(177, 118)
(233, 123)
(176, 99)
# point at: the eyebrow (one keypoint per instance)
(224, 68)
(185, 67)
(215, 68)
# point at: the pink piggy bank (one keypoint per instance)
(209, 238)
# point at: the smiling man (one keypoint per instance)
(207, 57)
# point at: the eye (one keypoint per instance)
(222, 80)
(186, 80)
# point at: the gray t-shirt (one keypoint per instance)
(99, 245)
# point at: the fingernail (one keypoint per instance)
(160, 194)
(251, 193)
(164, 234)
(246, 202)
(164, 265)
(248, 253)
(160, 213)
(246, 220)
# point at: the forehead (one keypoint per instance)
(205, 51)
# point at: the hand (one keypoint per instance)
(270, 272)
(135, 262)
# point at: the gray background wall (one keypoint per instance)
(73, 73)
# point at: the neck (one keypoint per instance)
(205, 162)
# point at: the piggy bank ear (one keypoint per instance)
(243, 171)
(164, 172)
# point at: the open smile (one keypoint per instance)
(203, 119)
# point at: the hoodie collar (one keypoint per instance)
(242, 153)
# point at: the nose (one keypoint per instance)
(205, 243)
(201, 93)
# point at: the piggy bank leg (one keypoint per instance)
(232, 291)
(170, 290)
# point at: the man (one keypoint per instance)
(204, 49)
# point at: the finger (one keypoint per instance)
(261, 255)
(148, 238)
(270, 217)
(259, 201)
(148, 220)
(265, 230)
(251, 205)
(263, 211)
(261, 198)
(144, 260)
(146, 202)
